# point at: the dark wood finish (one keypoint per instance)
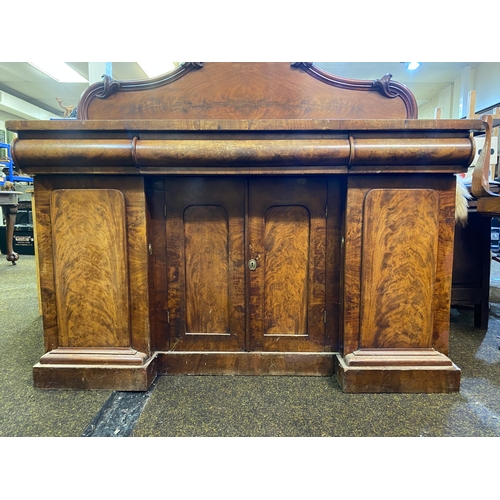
(400, 237)
(157, 268)
(9, 212)
(247, 363)
(92, 293)
(331, 153)
(120, 377)
(397, 282)
(84, 261)
(384, 370)
(471, 272)
(489, 206)
(480, 187)
(471, 267)
(206, 267)
(128, 129)
(341, 196)
(242, 90)
(389, 272)
(287, 238)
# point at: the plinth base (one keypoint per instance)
(118, 370)
(246, 363)
(397, 370)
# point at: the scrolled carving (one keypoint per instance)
(110, 86)
(383, 85)
(195, 65)
(299, 64)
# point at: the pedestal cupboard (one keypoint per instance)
(246, 218)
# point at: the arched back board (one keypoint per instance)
(247, 91)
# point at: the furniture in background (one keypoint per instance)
(7, 163)
(472, 253)
(246, 218)
(472, 256)
(471, 267)
(9, 204)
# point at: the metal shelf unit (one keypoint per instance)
(10, 165)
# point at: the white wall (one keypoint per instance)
(484, 79)
(444, 100)
(487, 85)
(457, 89)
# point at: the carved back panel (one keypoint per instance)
(247, 91)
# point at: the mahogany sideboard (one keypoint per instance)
(246, 218)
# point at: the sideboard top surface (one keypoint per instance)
(222, 116)
(337, 125)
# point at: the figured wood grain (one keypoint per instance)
(411, 151)
(400, 240)
(78, 152)
(195, 274)
(260, 120)
(174, 151)
(45, 257)
(90, 257)
(289, 151)
(244, 91)
(445, 185)
(351, 268)
(38, 129)
(133, 192)
(277, 289)
(206, 251)
(286, 270)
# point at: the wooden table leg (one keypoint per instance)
(10, 213)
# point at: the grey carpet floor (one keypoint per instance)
(241, 406)
(24, 410)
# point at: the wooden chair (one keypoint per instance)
(472, 255)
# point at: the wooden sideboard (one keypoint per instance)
(246, 218)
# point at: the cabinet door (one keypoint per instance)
(205, 263)
(287, 247)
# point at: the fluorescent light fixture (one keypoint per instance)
(412, 66)
(156, 68)
(59, 71)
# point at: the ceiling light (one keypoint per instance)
(59, 71)
(412, 66)
(156, 68)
